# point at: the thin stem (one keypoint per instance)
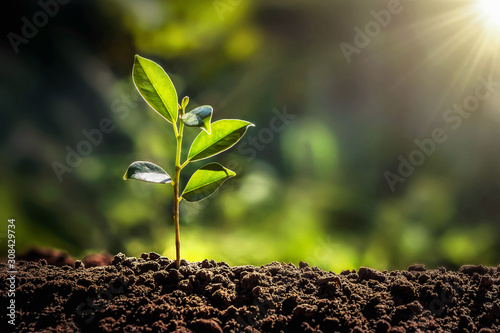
(176, 191)
(175, 129)
(184, 164)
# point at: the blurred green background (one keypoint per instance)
(312, 175)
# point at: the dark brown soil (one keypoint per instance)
(58, 258)
(150, 295)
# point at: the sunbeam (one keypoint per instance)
(490, 10)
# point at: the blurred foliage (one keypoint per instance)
(309, 188)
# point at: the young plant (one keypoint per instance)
(158, 91)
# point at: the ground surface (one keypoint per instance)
(148, 294)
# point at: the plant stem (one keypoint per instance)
(176, 194)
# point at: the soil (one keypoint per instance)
(58, 258)
(148, 294)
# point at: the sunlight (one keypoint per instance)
(490, 10)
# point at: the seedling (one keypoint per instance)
(158, 91)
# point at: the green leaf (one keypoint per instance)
(225, 133)
(205, 181)
(148, 172)
(185, 102)
(199, 117)
(155, 87)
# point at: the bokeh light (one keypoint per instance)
(490, 13)
(310, 181)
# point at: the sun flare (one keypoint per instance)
(490, 11)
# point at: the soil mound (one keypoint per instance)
(148, 294)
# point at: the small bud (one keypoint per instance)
(185, 102)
